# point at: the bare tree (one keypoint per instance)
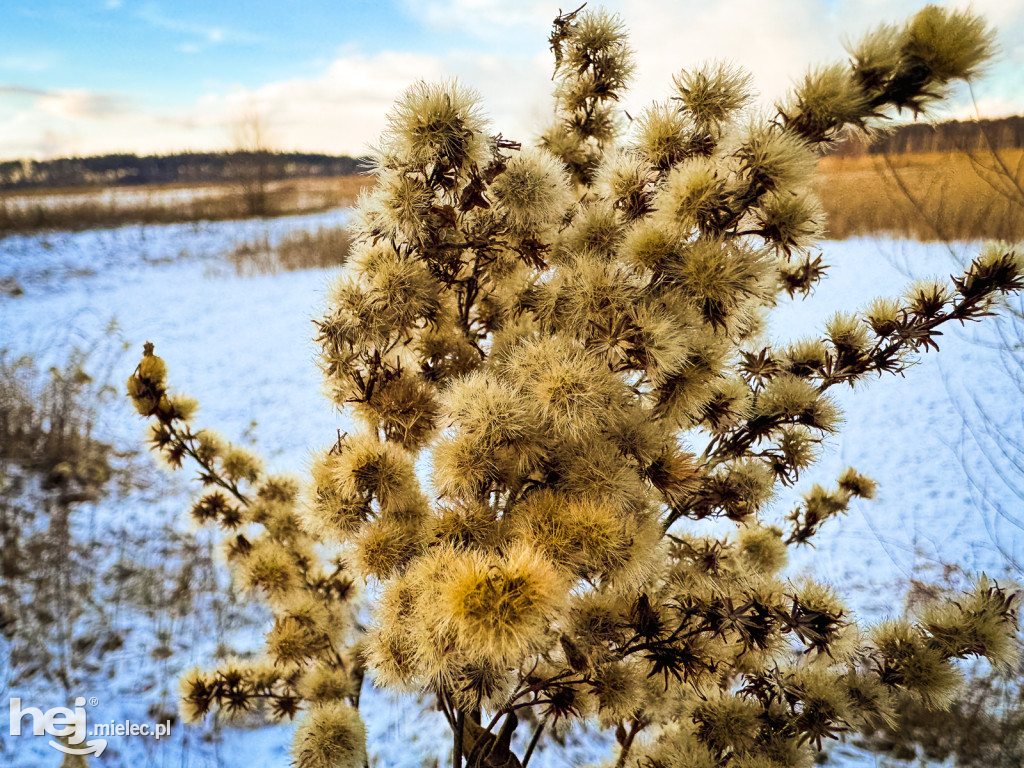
(252, 142)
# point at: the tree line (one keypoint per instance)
(188, 167)
(950, 136)
(193, 167)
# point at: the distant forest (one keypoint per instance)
(188, 168)
(196, 167)
(952, 136)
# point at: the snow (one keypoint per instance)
(115, 196)
(242, 345)
(909, 434)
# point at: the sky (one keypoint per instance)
(85, 77)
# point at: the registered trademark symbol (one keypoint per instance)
(93, 701)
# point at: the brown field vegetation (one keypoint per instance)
(951, 195)
(85, 208)
(927, 196)
(326, 247)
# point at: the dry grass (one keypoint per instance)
(928, 196)
(77, 209)
(324, 248)
(934, 196)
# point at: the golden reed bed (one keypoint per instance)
(926, 196)
(75, 209)
(930, 196)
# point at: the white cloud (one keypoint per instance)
(987, 107)
(342, 108)
(777, 40)
(80, 105)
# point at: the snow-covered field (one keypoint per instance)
(120, 197)
(242, 346)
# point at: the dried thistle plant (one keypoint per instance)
(551, 326)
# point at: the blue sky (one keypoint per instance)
(93, 76)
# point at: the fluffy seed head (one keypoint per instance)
(329, 512)
(663, 136)
(828, 99)
(647, 246)
(491, 410)
(877, 55)
(982, 623)
(594, 61)
(847, 332)
(583, 536)
(741, 488)
(464, 524)
(296, 640)
(952, 44)
(369, 468)
(857, 484)
(500, 608)
(401, 287)
(762, 547)
(684, 391)
(719, 278)
(404, 407)
(593, 469)
(791, 221)
(883, 315)
(624, 178)
(571, 388)
(713, 92)
(196, 687)
(791, 397)
(326, 683)
(462, 467)
(660, 342)
(385, 546)
(872, 700)
(678, 747)
(914, 665)
(396, 207)
(436, 123)
(153, 368)
(330, 736)
(728, 405)
(596, 231)
(727, 722)
(534, 190)
(694, 195)
(268, 566)
(798, 447)
(928, 297)
(391, 654)
(594, 33)
(618, 686)
(805, 357)
(240, 464)
(591, 294)
(773, 158)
